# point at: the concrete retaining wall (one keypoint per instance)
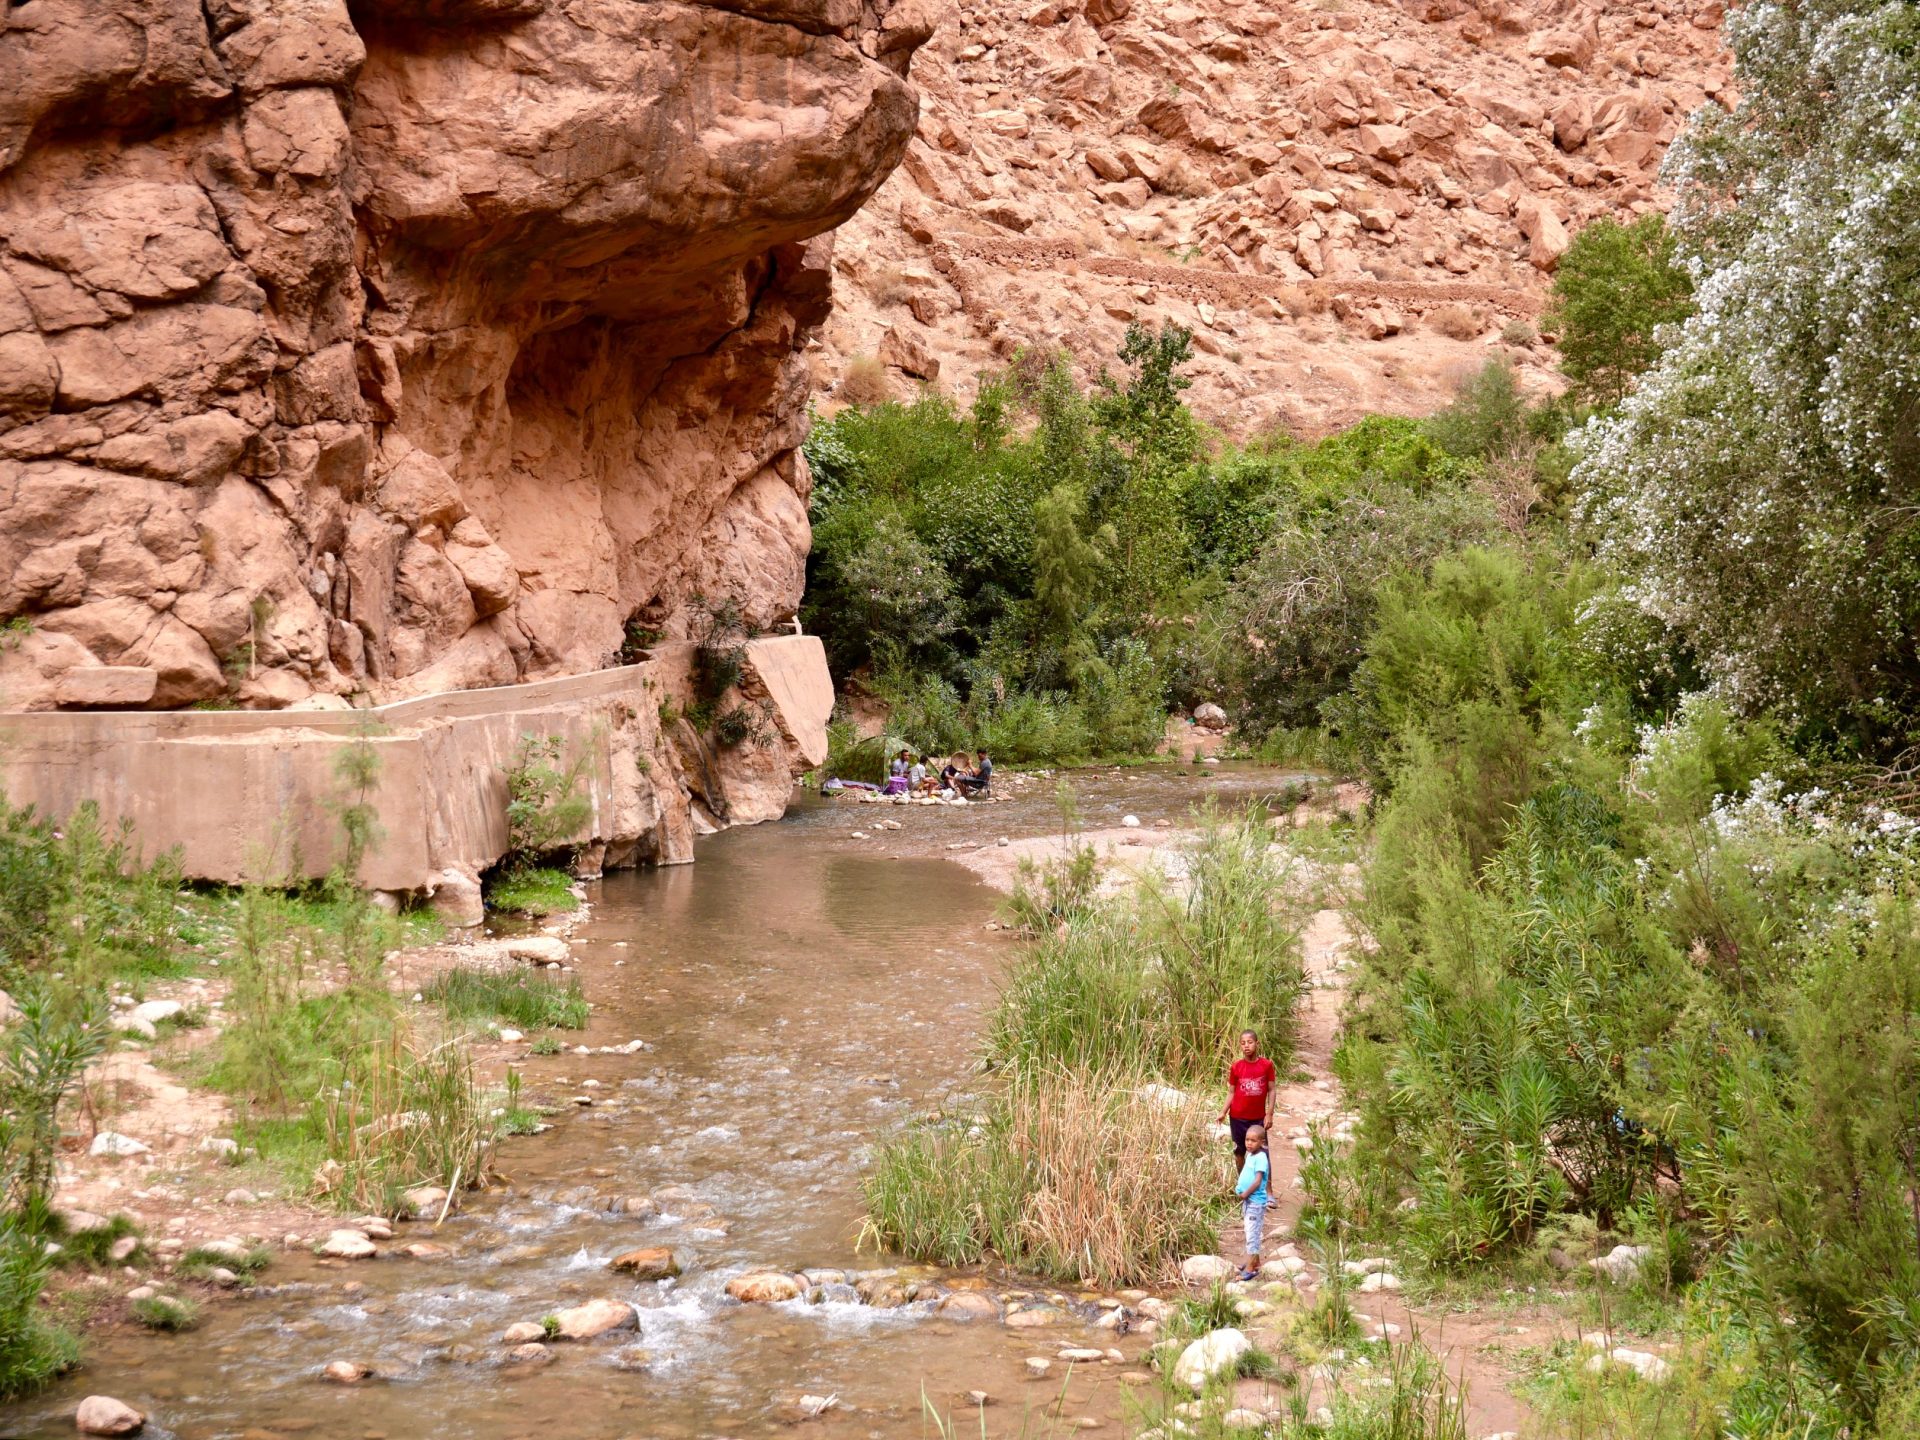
(257, 794)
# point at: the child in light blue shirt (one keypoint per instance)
(1255, 1194)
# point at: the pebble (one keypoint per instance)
(1079, 1355)
(1038, 1365)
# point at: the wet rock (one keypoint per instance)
(795, 1407)
(764, 1287)
(654, 1262)
(522, 1332)
(104, 1415)
(529, 1354)
(965, 1305)
(426, 1250)
(1037, 1317)
(346, 1372)
(1212, 1353)
(347, 1245)
(422, 1200)
(1038, 1365)
(374, 1227)
(594, 1319)
(1082, 1355)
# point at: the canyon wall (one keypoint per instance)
(1351, 203)
(387, 348)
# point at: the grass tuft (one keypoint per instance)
(535, 890)
(172, 1313)
(527, 998)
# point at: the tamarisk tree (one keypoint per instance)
(1761, 485)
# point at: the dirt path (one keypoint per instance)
(1469, 1345)
(1198, 283)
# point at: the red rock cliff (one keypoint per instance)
(411, 345)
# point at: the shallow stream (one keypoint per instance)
(798, 990)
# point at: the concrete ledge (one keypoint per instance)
(256, 795)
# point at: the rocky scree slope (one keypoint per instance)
(399, 346)
(1349, 202)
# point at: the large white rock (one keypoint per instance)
(347, 1245)
(154, 1011)
(1205, 1269)
(111, 1144)
(1648, 1366)
(1622, 1263)
(1212, 1354)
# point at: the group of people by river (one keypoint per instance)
(910, 774)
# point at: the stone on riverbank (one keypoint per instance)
(967, 1305)
(654, 1262)
(763, 1287)
(1205, 1269)
(1212, 1353)
(595, 1318)
(529, 1354)
(347, 1245)
(104, 1415)
(522, 1332)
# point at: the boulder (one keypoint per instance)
(967, 1305)
(595, 1318)
(104, 1415)
(654, 1262)
(103, 687)
(762, 1287)
(1622, 1263)
(346, 1372)
(1209, 716)
(522, 1332)
(112, 1145)
(155, 1011)
(1206, 1269)
(1212, 1354)
(908, 353)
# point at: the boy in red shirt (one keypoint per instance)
(1251, 1082)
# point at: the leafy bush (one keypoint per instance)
(1615, 287)
(545, 808)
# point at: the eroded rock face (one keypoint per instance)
(402, 347)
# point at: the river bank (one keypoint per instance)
(794, 993)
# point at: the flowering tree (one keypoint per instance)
(1761, 486)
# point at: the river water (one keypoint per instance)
(799, 990)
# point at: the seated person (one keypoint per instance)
(897, 783)
(951, 772)
(976, 785)
(917, 776)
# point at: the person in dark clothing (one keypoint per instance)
(977, 784)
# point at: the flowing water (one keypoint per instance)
(798, 991)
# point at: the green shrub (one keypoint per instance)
(1615, 286)
(545, 808)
